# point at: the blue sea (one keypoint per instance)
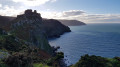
(93, 39)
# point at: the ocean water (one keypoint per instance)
(93, 39)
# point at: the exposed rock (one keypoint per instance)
(34, 30)
(54, 28)
(28, 27)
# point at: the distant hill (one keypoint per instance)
(4, 20)
(72, 22)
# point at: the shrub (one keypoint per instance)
(19, 60)
(91, 61)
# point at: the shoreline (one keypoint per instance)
(60, 61)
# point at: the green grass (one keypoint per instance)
(40, 65)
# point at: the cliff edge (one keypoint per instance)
(34, 30)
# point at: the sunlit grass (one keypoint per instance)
(40, 65)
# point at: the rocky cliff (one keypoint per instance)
(54, 28)
(28, 27)
(34, 30)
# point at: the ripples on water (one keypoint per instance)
(93, 39)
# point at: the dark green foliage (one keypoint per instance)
(97, 61)
(21, 54)
(91, 61)
(59, 56)
(9, 42)
(12, 43)
(19, 60)
(115, 62)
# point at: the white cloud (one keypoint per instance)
(73, 13)
(83, 16)
(0, 5)
(101, 18)
(33, 2)
(53, 0)
(9, 11)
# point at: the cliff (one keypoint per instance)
(28, 27)
(72, 22)
(23, 42)
(54, 28)
(34, 30)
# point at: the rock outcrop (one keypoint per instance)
(28, 27)
(34, 30)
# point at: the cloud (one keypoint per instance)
(83, 16)
(102, 18)
(73, 13)
(0, 5)
(33, 2)
(9, 11)
(70, 15)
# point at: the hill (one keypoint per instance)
(72, 22)
(4, 20)
(24, 40)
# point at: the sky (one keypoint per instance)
(88, 11)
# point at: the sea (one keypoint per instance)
(100, 39)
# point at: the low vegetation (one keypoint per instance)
(97, 61)
(40, 65)
(14, 52)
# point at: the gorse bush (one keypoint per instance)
(91, 61)
(18, 60)
(9, 42)
(97, 61)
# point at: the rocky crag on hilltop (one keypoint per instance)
(28, 27)
(24, 40)
(34, 30)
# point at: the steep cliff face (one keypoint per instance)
(34, 30)
(54, 28)
(28, 28)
